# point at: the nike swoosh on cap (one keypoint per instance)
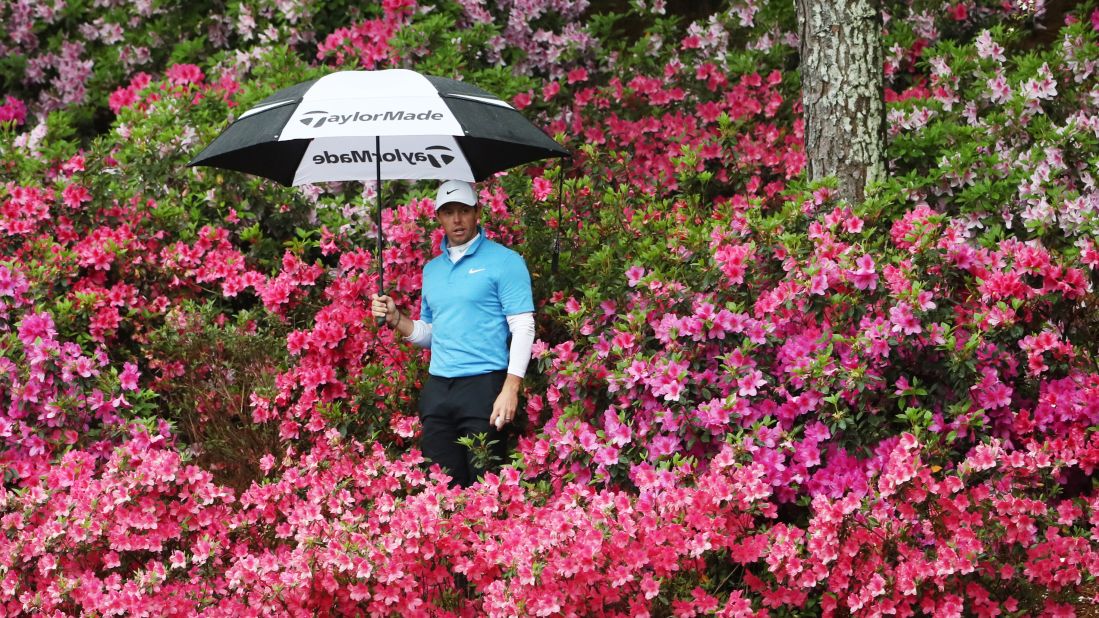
(451, 191)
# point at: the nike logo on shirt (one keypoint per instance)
(474, 271)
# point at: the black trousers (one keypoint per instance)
(452, 408)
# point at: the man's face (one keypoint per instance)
(459, 221)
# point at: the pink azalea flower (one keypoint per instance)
(550, 90)
(818, 284)
(864, 277)
(129, 377)
(13, 110)
(542, 188)
(522, 100)
(903, 320)
(36, 326)
(184, 74)
(617, 432)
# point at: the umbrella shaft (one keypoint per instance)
(378, 220)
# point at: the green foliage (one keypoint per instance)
(482, 450)
(432, 48)
(211, 368)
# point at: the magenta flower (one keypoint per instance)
(634, 274)
(818, 284)
(129, 377)
(903, 320)
(865, 277)
(542, 188)
(522, 100)
(13, 110)
(36, 326)
(75, 195)
(733, 260)
(550, 90)
(185, 75)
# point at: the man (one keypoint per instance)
(475, 293)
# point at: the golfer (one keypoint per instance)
(475, 294)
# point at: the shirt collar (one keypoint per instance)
(478, 240)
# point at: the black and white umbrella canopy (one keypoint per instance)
(337, 127)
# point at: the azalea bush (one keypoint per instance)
(747, 397)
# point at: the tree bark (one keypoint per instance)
(842, 92)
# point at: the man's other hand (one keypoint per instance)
(506, 404)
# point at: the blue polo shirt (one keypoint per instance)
(466, 304)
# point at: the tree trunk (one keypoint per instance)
(842, 92)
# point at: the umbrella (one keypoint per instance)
(378, 125)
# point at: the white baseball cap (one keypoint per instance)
(455, 191)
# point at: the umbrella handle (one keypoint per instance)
(380, 319)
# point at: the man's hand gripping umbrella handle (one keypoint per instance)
(384, 308)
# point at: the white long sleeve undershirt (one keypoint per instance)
(421, 334)
(521, 326)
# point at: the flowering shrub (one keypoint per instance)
(71, 55)
(747, 396)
